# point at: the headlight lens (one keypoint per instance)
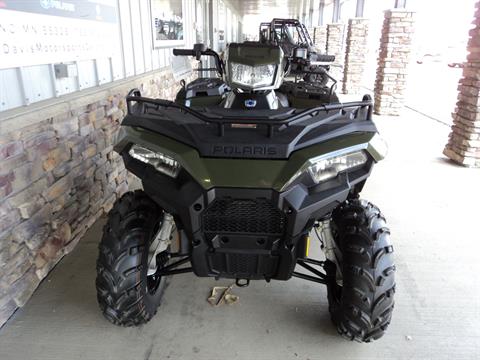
(161, 162)
(323, 169)
(379, 145)
(253, 76)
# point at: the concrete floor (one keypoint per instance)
(432, 207)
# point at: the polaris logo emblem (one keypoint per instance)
(250, 103)
(244, 150)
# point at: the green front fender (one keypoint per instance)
(244, 173)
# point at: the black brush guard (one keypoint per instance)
(231, 133)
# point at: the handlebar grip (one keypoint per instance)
(183, 52)
(326, 58)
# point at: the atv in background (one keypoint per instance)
(308, 67)
(289, 34)
(237, 176)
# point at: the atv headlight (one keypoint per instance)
(379, 146)
(253, 76)
(325, 168)
(163, 163)
(328, 166)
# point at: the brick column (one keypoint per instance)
(320, 38)
(335, 37)
(464, 142)
(355, 55)
(393, 59)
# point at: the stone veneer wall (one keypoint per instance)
(320, 38)
(355, 55)
(464, 141)
(58, 175)
(393, 60)
(335, 46)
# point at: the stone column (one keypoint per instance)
(335, 37)
(464, 142)
(320, 38)
(393, 59)
(355, 55)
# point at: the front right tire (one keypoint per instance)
(361, 305)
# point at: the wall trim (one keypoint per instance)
(20, 117)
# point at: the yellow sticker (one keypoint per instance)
(307, 247)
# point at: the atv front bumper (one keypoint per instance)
(245, 233)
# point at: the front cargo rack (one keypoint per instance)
(276, 122)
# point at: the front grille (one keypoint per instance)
(249, 216)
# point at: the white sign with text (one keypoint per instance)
(34, 39)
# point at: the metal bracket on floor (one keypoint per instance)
(319, 277)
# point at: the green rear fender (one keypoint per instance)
(245, 173)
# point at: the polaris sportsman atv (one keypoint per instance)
(293, 37)
(236, 177)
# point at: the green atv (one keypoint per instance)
(236, 176)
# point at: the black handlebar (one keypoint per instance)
(198, 51)
(326, 58)
(183, 52)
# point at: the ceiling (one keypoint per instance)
(258, 7)
(271, 8)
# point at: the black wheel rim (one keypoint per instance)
(335, 290)
(154, 280)
(153, 283)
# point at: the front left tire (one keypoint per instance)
(126, 295)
